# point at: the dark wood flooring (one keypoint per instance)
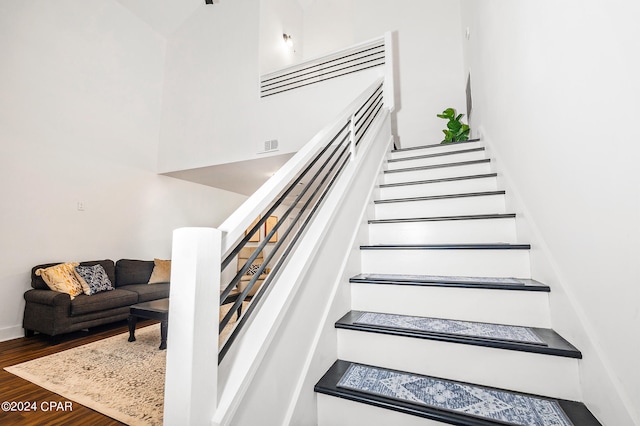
(51, 408)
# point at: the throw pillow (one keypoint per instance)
(62, 278)
(253, 269)
(93, 279)
(161, 271)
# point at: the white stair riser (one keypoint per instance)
(437, 173)
(539, 374)
(525, 308)
(439, 188)
(425, 161)
(443, 207)
(440, 232)
(435, 149)
(490, 263)
(333, 411)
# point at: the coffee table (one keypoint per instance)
(155, 309)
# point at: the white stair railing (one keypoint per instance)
(192, 388)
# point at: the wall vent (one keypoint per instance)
(271, 145)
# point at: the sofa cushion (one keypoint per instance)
(84, 304)
(38, 282)
(148, 292)
(61, 278)
(161, 271)
(130, 271)
(93, 279)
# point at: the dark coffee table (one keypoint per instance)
(155, 309)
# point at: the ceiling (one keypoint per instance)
(242, 177)
(166, 16)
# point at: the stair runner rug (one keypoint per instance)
(447, 279)
(482, 402)
(498, 332)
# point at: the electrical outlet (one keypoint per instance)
(80, 206)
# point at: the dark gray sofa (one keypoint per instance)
(54, 313)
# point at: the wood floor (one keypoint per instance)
(51, 408)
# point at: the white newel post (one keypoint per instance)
(192, 344)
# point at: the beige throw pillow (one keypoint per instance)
(62, 278)
(161, 271)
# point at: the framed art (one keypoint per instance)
(255, 238)
(268, 226)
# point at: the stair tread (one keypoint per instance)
(443, 407)
(492, 283)
(501, 336)
(445, 218)
(490, 246)
(439, 166)
(439, 180)
(436, 145)
(441, 197)
(439, 154)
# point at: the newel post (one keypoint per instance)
(191, 381)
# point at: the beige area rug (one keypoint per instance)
(120, 379)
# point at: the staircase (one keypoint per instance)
(446, 325)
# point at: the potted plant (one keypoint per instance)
(456, 131)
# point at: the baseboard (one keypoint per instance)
(11, 333)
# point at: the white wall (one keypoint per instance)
(278, 17)
(212, 112)
(555, 96)
(429, 50)
(81, 86)
(211, 82)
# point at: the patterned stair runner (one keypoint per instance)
(487, 403)
(443, 326)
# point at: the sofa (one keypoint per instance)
(54, 313)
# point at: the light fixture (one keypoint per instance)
(288, 40)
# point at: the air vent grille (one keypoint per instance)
(271, 145)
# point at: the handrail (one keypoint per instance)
(370, 54)
(317, 167)
(326, 166)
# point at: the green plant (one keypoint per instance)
(456, 131)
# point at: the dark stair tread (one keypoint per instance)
(554, 344)
(439, 180)
(440, 197)
(577, 412)
(445, 218)
(524, 284)
(492, 246)
(439, 166)
(436, 145)
(439, 154)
